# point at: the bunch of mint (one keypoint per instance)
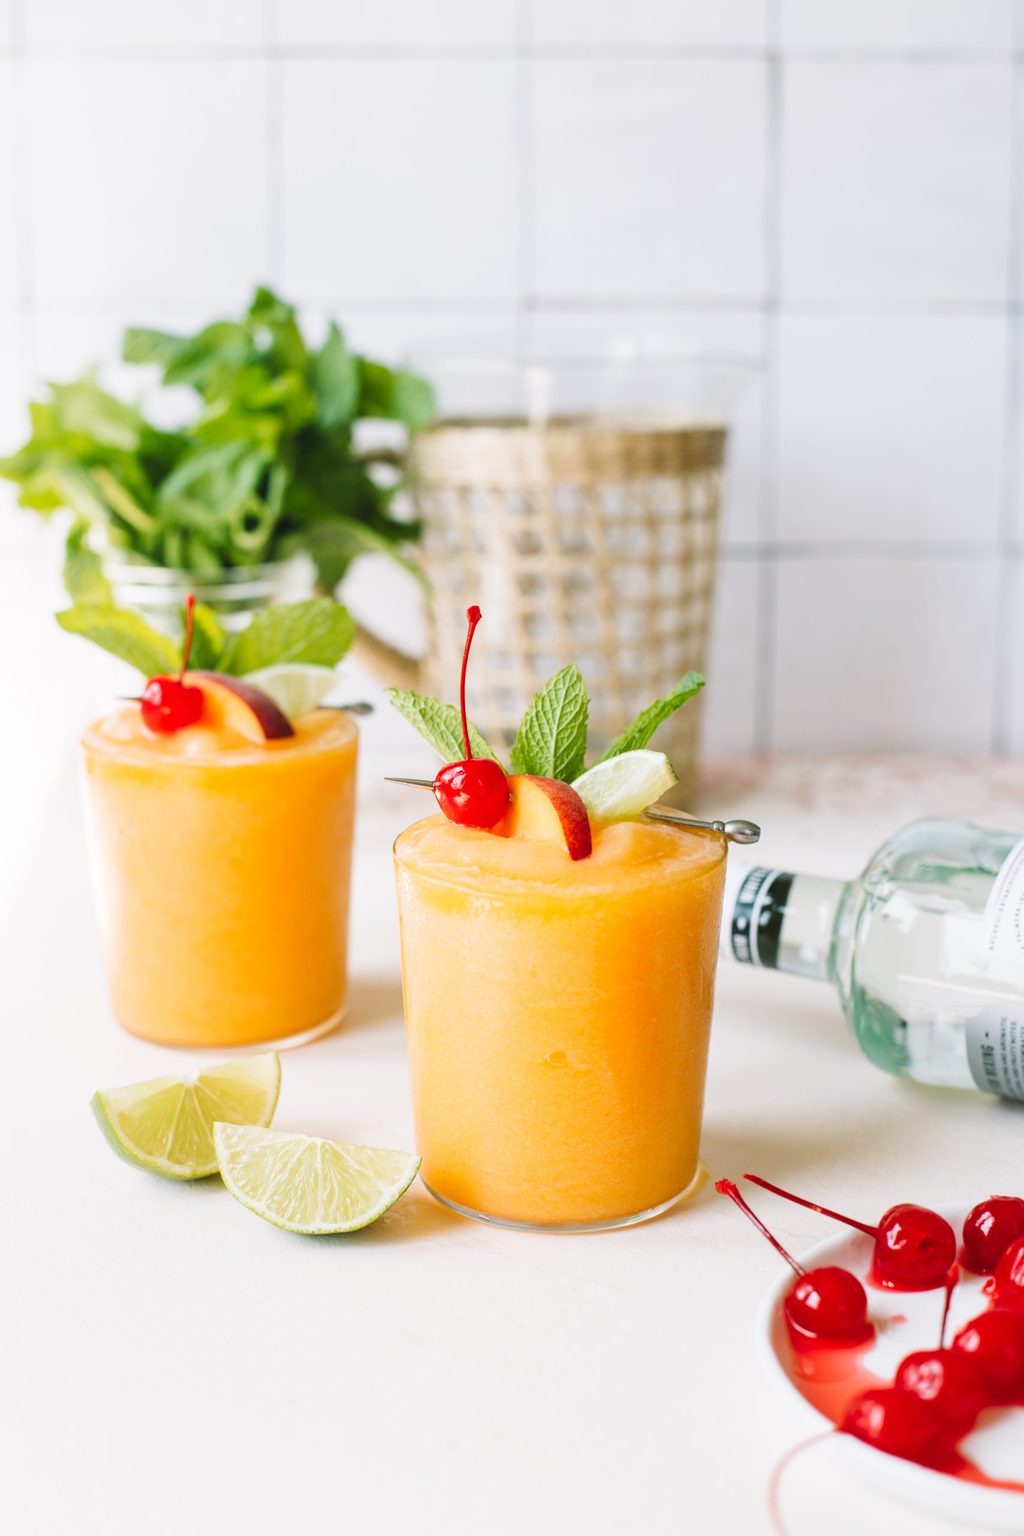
(315, 633)
(267, 467)
(551, 741)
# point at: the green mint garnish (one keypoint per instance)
(83, 569)
(639, 733)
(440, 725)
(552, 738)
(125, 635)
(316, 633)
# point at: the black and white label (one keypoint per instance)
(753, 916)
(995, 1050)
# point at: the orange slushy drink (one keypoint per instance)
(558, 1012)
(223, 866)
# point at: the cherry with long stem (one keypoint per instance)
(826, 1305)
(915, 1248)
(473, 792)
(169, 704)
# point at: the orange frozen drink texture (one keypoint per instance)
(223, 868)
(558, 1014)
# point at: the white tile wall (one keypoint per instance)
(834, 192)
(647, 178)
(955, 25)
(895, 181)
(385, 205)
(901, 666)
(891, 428)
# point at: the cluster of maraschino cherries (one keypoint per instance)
(937, 1394)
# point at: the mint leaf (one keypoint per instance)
(123, 634)
(84, 580)
(317, 632)
(440, 725)
(209, 642)
(639, 733)
(552, 737)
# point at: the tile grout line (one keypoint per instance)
(274, 180)
(524, 189)
(767, 577)
(1006, 593)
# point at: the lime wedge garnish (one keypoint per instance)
(295, 688)
(166, 1124)
(625, 785)
(305, 1184)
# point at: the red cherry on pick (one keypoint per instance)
(894, 1421)
(474, 792)
(828, 1304)
(168, 703)
(989, 1229)
(995, 1342)
(947, 1379)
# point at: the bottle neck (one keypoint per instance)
(779, 920)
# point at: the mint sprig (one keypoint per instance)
(440, 725)
(639, 733)
(552, 737)
(316, 633)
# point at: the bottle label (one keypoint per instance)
(995, 1051)
(1003, 923)
(753, 920)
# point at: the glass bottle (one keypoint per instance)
(926, 949)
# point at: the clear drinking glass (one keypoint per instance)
(558, 1016)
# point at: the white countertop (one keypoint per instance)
(174, 1365)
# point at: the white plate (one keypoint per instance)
(906, 1321)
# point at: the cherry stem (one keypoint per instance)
(822, 1210)
(190, 607)
(951, 1280)
(727, 1187)
(474, 616)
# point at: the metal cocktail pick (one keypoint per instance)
(732, 831)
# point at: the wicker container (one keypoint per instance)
(583, 540)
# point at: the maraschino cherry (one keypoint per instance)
(1009, 1281)
(169, 703)
(826, 1305)
(474, 792)
(892, 1420)
(915, 1248)
(995, 1342)
(989, 1229)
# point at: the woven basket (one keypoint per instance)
(582, 542)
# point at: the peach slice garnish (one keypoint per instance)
(546, 811)
(228, 701)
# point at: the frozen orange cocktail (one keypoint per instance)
(558, 1015)
(222, 835)
(558, 965)
(223, 876)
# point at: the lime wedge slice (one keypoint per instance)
(625, 785)
(293, 687)
(308, 1185)
(166, 1124)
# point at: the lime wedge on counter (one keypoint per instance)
(166, 1125)
(295, 688)
(308, 1185)
(625, 785)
